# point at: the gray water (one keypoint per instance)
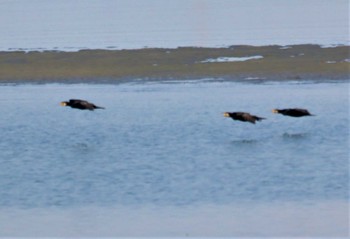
(129, 24)
(161, 160)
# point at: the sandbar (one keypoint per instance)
(295, 62)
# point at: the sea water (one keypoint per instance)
(123, 24)
(161, 160)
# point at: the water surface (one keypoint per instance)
(162, 153)
(121, 24)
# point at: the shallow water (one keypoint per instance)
(162, 151)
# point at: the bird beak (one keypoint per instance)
(226, 114)
(63, 103)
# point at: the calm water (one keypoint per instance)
(161, 160)
(120, 24)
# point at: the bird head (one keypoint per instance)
(226, 114)
(63, 103)
(276, 111)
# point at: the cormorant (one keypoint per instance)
(295, 112)
(80, 104)
(242, 116)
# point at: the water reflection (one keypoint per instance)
(244, 141)
(295, 135)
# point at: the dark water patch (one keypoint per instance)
(82, 148)
(295, 136)
(244, 141)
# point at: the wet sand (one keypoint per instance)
(304, 62)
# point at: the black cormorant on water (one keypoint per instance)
(242, 116)
(80, 104)
(295, 112)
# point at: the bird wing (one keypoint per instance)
(81, 104)
(302, 110)
(249, 117)
(73, 101)
(88, 105)
(252, 118)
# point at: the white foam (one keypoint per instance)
(285, 47)
(232, 59)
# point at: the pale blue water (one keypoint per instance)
(167, 145)
(124, 24)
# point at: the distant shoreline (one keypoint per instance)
(295, 62)
(116, 48)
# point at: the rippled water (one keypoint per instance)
(163, 152)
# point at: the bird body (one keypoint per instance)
(80, 104)
(243, 116)
(293, 112)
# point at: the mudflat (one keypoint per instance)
(235, 62)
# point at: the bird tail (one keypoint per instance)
(99, 107)
(260, 118)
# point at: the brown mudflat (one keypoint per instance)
(266, 62)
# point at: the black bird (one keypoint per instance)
(295, 112)
(80, 104)
(242, 116)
